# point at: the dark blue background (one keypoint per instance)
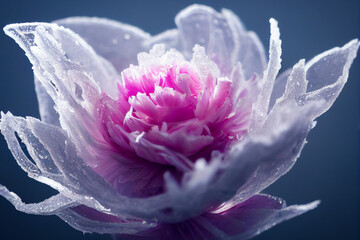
(328, 168)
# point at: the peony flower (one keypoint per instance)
(172, 136)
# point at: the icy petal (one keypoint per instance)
(84, 224)
(250, 218)
(252, 165)
(279, 87)
(223, 36)
(39, 154)
(78, 182)
(49, 206)
(297, 83)
(261, 107)
(74, 92)
(117, 42)
(240, 222)
(170, 38)
(199, 190)
(327, 74)
(46, 105)
(81, 53)
(294, 97)
(251, 53)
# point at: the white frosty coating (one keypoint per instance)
(90, 226)
(218, 30)
(47, 111)
(51, 206)
(253, 164)
(117, 42)
(279, 87)
(278, 217)
(260, 108)
(224, 37)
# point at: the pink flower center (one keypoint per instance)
(169, 115)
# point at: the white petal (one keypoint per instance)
(278, 217)
(72, 89)
(170, 38)
(46, 105)
(260, 108)
(279, 87)
(49, 206)
(118, 43)
(251, 53)
(327, 74)
(252, 166)
(87, 225)
(223, 36)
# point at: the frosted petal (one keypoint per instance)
(261, 107)
(294, 97)
(254, 164)
(118, 43)
(78, 51)
(279, 87)
(327, 74)
(274, 217)
(240, 222)
(169, 38)
(46, 105)
(40, 155)
(223, 36)
(251, 53)
(84, 224)
(259, 213)
(297, 83)
(201, 188)
(84, 182)
(77, 181)
(73, 90)
(49, 206)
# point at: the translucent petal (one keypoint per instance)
(78, 51)
(240, 222)
(84, 224)
(72, 89)
(39, 154)
(279, 87)
(260, 108)
(118, 43)
(223, 36)
(77, 181)
(327, 74)
(46, 105)
(49, 206)
(201, 188)
(251, 53)
(170, 38)
(259, 213)
(252, 165)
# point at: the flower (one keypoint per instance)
(178, 145)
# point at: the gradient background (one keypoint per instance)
(328, 168)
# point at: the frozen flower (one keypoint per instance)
(176, 145)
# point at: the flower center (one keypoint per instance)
(161, 93)
(169, 113)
